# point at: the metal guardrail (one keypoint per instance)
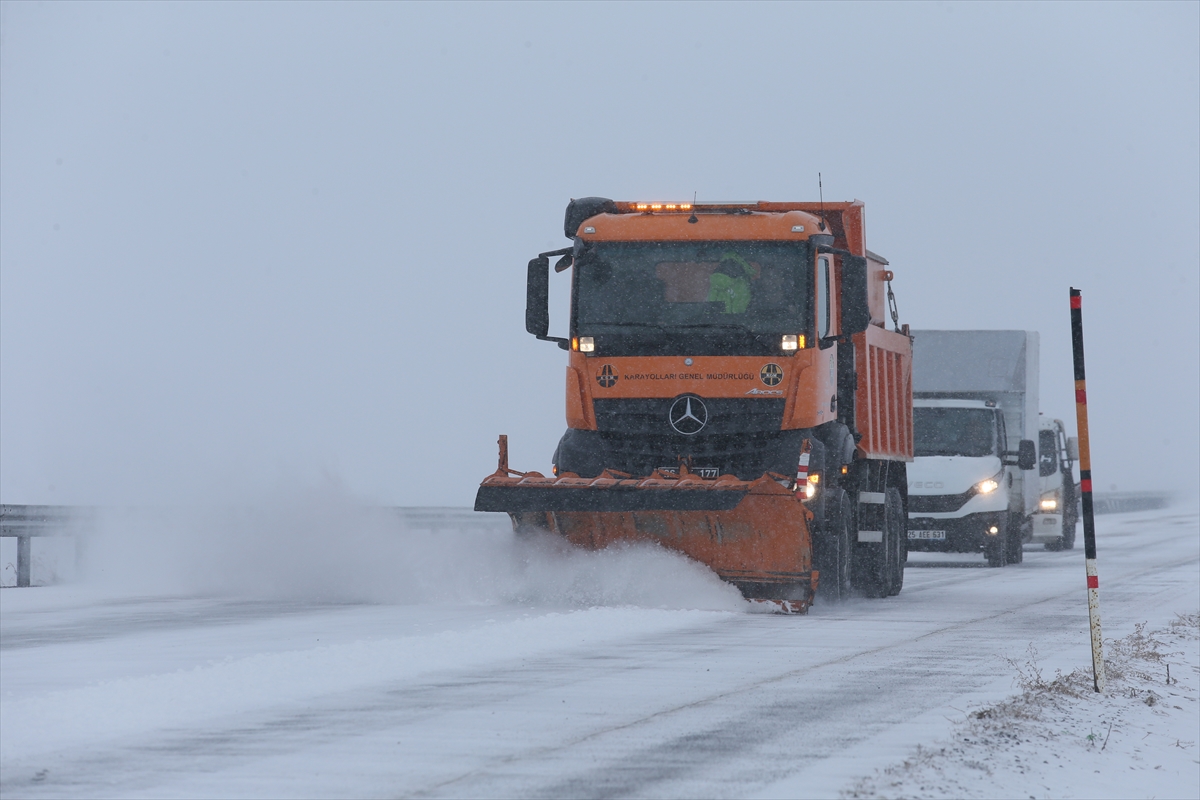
(25, 522)
(1122, 502)
(450, 518)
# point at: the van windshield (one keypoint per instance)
(758, 287)
(954, 431)
(1047, 454)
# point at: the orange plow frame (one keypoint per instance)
(753, 534)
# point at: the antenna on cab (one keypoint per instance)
(693, 218)
(821, 194)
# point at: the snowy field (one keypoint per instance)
(319, 651)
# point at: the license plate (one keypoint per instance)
(702, 472)
(927, 535)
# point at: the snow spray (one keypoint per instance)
(1085, 490)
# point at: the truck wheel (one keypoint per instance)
(897, 528)
(1070, 513)
(877, 564)
(1014, 541)
(1068, 536)
(834, 553)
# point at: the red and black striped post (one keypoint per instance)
(1085, 490)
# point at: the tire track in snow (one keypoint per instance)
(761, 724)
(746, 728)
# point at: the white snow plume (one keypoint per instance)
(321, 544)
(549, 570)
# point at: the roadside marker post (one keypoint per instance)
(1085, 490)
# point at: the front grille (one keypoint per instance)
(747, 456)
(702, 449)
(725, 416)
(935, 503)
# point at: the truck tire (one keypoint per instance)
(1014, 540)
(897, 526)
(1070, 517)
(1068, 530)
(834, 549)
(878, 571)
(1068, 537)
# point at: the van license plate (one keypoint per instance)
(927, 535)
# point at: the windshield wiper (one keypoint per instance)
(665, 331)
(677, 326)
(653, 325)
(722, 326)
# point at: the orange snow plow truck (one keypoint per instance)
(733, 394)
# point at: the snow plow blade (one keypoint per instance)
(600, 495)
(753, 534)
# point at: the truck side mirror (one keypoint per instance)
(1072, 448)
(537, 297)
(1026, 454)
(855, 311)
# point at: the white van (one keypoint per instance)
(1058, 507)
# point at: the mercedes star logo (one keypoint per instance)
(688, 415)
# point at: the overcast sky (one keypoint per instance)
(249, 245)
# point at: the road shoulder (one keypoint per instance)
(1058, 738)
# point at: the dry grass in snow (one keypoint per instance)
(1058, 738)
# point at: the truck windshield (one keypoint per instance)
(954, 431)
(756, 287)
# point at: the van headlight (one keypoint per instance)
(991, 484)
(1050, 501)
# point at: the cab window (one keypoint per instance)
(823, 297)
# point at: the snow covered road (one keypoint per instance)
(590, 687)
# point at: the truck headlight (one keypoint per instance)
(587, 344)
(988, 486)
(792, 341)
(1049, 501)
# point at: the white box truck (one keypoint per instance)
(971, 487)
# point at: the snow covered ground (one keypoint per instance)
(1058, 738)
(316, 651)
